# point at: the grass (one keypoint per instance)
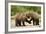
(20, 9)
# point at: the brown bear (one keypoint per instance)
(21, 18)
(34, 16)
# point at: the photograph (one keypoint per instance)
(25, 16)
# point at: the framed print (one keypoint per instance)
(24, 16)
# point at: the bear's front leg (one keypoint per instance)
(19, 22)
(23, 23)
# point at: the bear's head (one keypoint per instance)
(28, 18)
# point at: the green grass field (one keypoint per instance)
(20, 9)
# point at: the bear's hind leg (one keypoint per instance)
(16, 23)
(33, 22)
(37, 22)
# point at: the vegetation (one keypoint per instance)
(15, 9)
